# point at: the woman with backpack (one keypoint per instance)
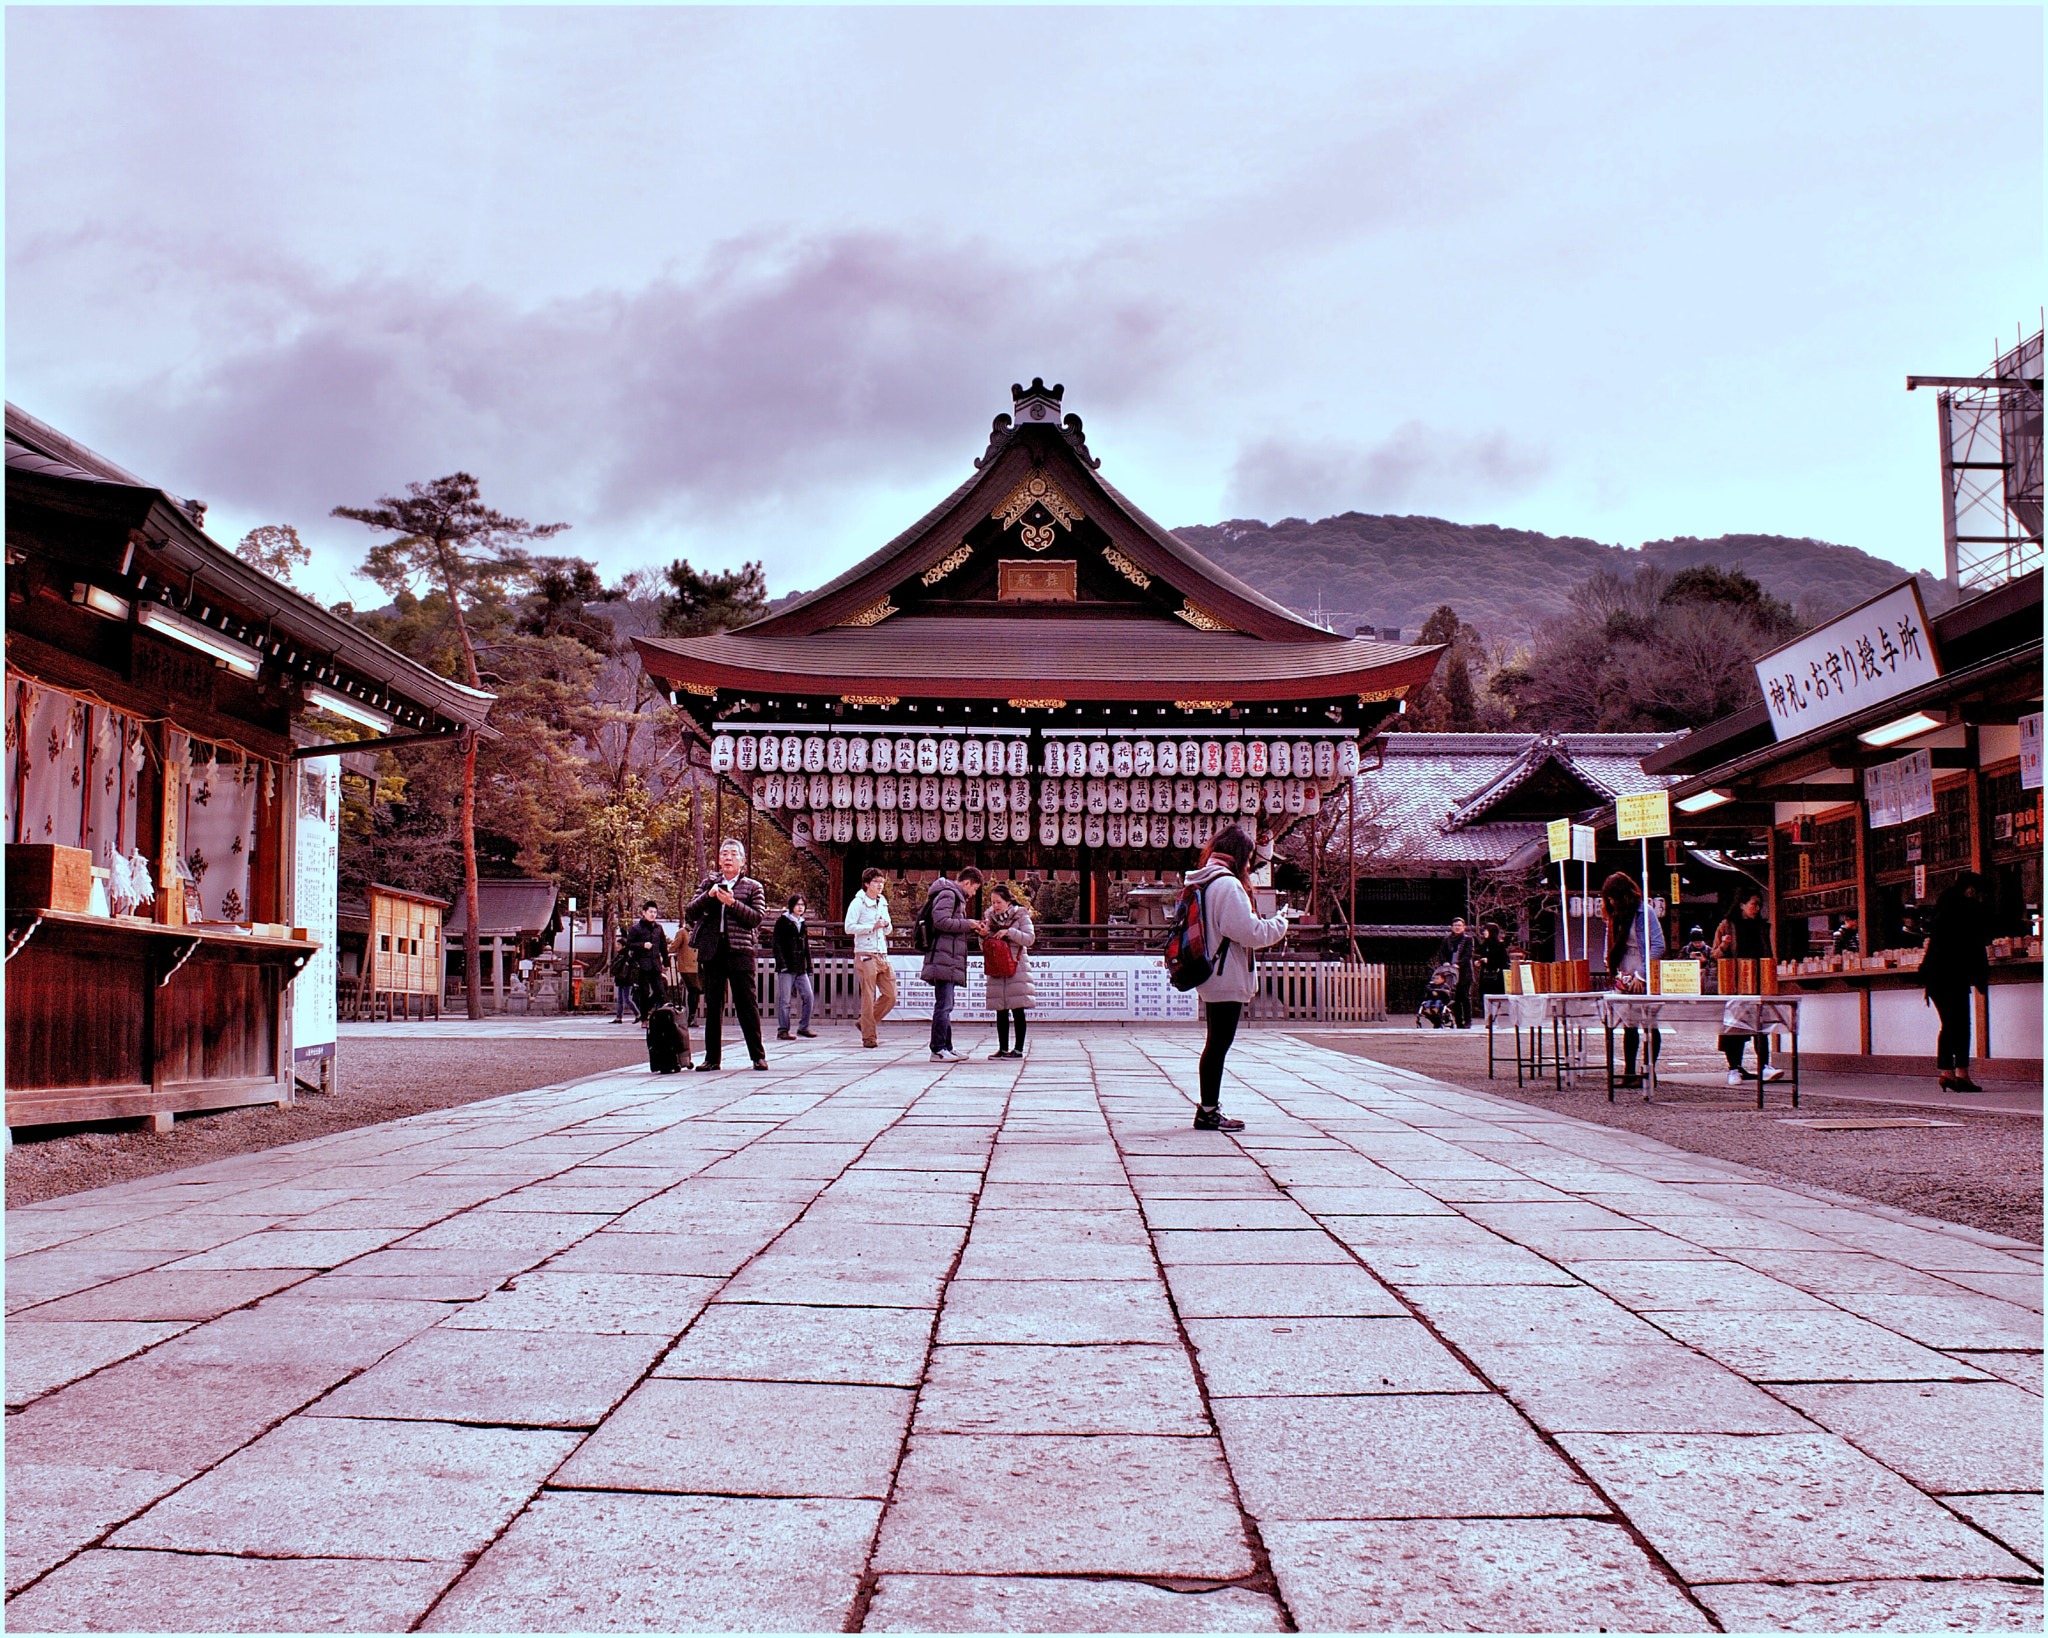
(1005, 945)
(1232, 930)
(1627, 965)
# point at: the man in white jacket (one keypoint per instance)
(1234, 931)
(867, 920)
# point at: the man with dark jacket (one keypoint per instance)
(945, 963)
(1458, 952)
(1493, 960)
(643, 953)
(1957, 960)
(792, 968)
(723, 919)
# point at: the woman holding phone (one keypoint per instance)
(1234, 930)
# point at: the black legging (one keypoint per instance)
(1631, 1042)
(1223, 1016)
(1731, 1049)
(1003, 1028)
(1952, 1049)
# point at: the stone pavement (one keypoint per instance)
(867, 1343)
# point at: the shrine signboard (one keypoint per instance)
(1875, 652)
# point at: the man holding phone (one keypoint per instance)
(724, 919)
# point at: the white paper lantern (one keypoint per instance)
(863, 792)
(1160, 830)
(882, 755)
(996, 795)
(1347, 758)
(1120, 759)
(1276, 795)
(746, 753)
(1117, 796)
(998, 827)
(1183, 796)
(927, 755)
(1115, 830)
(885, 793)
(1092, 832)
(1226, 796)
(1233, 759)
(1190, 759)
(973, 796)
(721, 754)
(1020, 798)
(977, 826)
(970, 759)
(1312, 798)
(1048, 796)
(814, 754)
(1048, 830)
(1055, 758)
(1162, 796)
(1098, 796)
(1249, 798)
(1206, 826)
(1166, 758)
(1183, 830)
(906, 757)
(835, 754)
(949, 795)
(1098, 759)
(1141, 796)
(771, 790)
(906, 792)
(864, 824)
(1019, 761)
(842, 790)
(886, 827)
(1212, 758)
(1296, 802)
(1070, 830)
(1205, 796)
(760, 799)
(1255, 759)
(1326, 759)
(949, 755)
(1279, 759)
(800, 831)
(792, 753)
(796, 792)
(856, 756)
(1073, 794)
(927, 793)
(953, 825)
(1143, 759)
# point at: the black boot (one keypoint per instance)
(1209, 1118)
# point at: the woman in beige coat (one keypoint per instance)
(1009, 919)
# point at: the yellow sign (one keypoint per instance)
(1560, 839)
(1639, 817)
(1677, 890)
(1679, 977)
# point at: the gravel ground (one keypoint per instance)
(381, 1079)
(1985, 1170)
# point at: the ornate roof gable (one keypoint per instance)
(1547, 769)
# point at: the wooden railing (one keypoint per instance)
(1322, 992)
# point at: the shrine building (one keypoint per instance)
(1033, 677)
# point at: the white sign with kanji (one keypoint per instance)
(1863, 658)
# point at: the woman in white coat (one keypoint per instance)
(1229, 920)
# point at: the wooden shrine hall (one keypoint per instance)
(1033, 676)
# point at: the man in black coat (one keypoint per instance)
(1956, 961)
(643, 953)
(724, 919)
(1458, 952)
(792, 969)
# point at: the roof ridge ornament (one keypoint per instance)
(1037, 494)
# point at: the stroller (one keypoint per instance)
(1436, 1010)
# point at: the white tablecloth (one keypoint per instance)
(1732, 1014)
(1539, 1011)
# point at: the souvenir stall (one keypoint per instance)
(1891, 752)
(1034, 678)
(152, 791)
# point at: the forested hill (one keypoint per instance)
(1393, 571)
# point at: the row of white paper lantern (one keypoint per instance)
(932, 793)
(1112, 830)
(974, 758)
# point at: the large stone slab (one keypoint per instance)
(1633, 1389)
(1263, 1248)
(57, 1508)
(165, 1295)
(986, 1603)
(2015, 1520)
(1394, 1456)
(291, 1248)
(602, 1304)
(1473, 1575)
(581, 1562)
(1056, 1311)
(1801, 1346)
(968, 1504)
(1878, 1606)
(1010, 1388)
(1781, 1507)
(132, 1591)
(782, 1342)
(324, 1487)
(1324, 1356)
(498, 1378)
(1944, 1436)
(1228, 1291)
(45, 1355)
(746, 1438)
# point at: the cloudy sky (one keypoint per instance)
(750, 283)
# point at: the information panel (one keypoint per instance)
(1073, 988)
(1863, 658)
(316, 883)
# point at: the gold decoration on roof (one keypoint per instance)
(1036, 705)
(1202, 705)
(1038, 490)
(947, 564)
(1380, 696)
(1125, 567)
(870, 699)
(701, 690)
(873, 615)
(1202, 619)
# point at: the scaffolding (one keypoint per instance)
(1990, 436)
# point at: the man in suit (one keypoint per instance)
(724, 920)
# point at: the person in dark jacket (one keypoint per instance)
(1956, 960)
(945, 964)
(792, 968)
(643, 953)
(1492, 957)
(1745, 935)
(1459, 951)
(724, 919)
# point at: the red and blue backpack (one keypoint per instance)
(1187, 943)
